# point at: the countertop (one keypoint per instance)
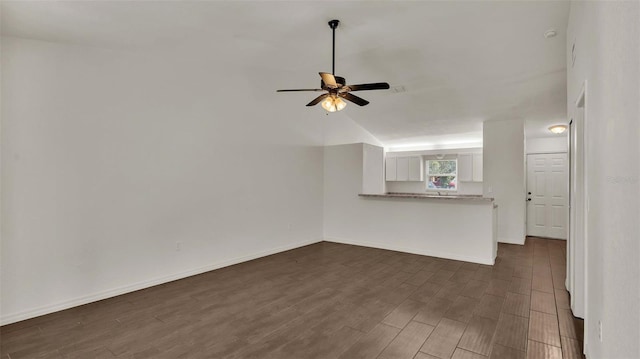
(427, 196)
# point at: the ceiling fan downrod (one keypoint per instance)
(333, 24)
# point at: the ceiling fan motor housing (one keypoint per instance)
(339, 80)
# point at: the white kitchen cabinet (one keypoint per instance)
(470, 167)
(477, 167)
(407, 168)
(402, 173)
(390, 168)
(465, 167)
(416, 172)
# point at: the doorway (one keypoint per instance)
(547, 195)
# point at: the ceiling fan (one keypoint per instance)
(336, 86)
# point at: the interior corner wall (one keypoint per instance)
(125, 169)
(607, 57)
(342, 183)
(504, 176)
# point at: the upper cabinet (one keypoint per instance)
(407, 168)
(415, 168)
(470, 167)
(465, 167)
(477, 167)
(391, 164)
(402, 169)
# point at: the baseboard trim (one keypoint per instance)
(445, 255)
(48, 309)
(510, 240)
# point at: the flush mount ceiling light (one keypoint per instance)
(336, 86)
(558, 129)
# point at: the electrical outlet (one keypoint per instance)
(600, 330)
(178, 246)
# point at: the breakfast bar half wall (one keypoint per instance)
(358, 211)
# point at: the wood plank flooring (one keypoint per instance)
(328, 300)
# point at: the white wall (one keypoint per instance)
(428, 227)
(607, 56)
(548, 144)
(372, 169)
(464, 188)
(340, 129)
(504, 176)
(109, 158)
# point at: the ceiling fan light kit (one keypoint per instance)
(336, 86)
(333, 104)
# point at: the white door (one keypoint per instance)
(547, 195)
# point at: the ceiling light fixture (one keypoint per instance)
(333, 103)
(558, 129)
(336, 87)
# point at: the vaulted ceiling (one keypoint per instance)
(451, 65)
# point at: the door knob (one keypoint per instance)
(528, 199)
(528, 192)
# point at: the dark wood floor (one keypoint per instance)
(328, 301)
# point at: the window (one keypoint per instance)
(442, 175)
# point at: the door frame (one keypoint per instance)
(578, 302)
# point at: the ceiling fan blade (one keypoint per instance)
(329, 80)
(366, 87)
(299, 90)
(317, 99)
(353, 98)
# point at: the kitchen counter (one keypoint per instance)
(427, 196)
(458, 227)
(455, 227)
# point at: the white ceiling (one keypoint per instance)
(461, 63)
